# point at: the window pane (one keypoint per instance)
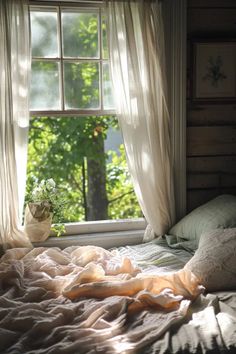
(80, 35)
(81, 85)
(44, 34)
(85, 156)
(44, 89)
(104, 38)
(108, 101)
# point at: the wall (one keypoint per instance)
(211, 126)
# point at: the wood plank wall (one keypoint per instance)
(211, 127)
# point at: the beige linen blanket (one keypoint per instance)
(86, 300)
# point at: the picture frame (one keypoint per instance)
(214, 71)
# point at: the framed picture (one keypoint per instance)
(214, 71)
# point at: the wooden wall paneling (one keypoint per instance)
(211, 3)
(211, 164)
(200, 196)
(202, 181)
(209, 181)
(227, 180)
(208, 21)
(211, 115)
(211, 126)
(211, 141)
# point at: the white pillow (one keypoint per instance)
(214, 262)
(219, 213)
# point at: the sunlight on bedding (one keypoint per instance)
(124, 323)
(121, 346)
(226, 322)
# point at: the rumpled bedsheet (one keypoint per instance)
(86, 300)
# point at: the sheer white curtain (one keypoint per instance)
(136, 46)
(14, 118)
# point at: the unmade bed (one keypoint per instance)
(42, 309)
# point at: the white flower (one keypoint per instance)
(50, 184)
(36, 191)
(42, 183)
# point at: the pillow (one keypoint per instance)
(214, 263)
(217, 213)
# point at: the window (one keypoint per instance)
(70, 70)
(74, 136)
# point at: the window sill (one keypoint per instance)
(90, 227)
(101, 239)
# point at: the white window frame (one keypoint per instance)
(105, 233)
(84, 6)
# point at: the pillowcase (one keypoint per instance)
(214, 263)
(217, 213)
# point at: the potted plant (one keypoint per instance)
(44, 207)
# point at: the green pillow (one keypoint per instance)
(219, 213)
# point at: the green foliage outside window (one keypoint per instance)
(59, 148)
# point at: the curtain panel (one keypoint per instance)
(14, 118)
(175, 28)
(137, 55)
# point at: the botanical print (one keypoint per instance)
(215, 74)
(214, 70)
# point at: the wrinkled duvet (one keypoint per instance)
(89, 300)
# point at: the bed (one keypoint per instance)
(63, 301)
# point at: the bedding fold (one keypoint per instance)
(89, 300)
